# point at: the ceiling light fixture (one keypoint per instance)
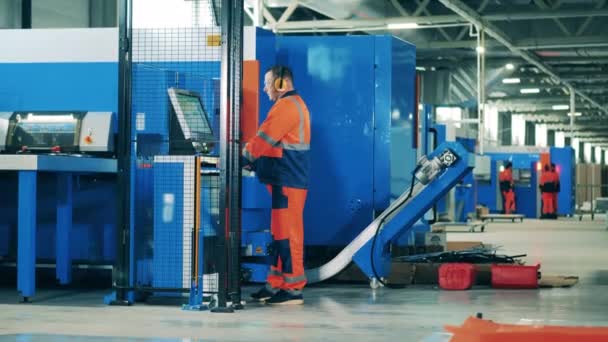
(510, 66)
(511, 80)
(480, 50)
(576, 114)
(402, 26)
(560, 107)
(529, 90)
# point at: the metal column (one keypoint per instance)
(26, 226)
(64, 227)
(481, 87)
(230, 156)
(121, 273)
(572, 111)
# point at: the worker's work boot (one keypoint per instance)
(263, 294)
(286, 298)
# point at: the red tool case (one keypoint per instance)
(515, 276)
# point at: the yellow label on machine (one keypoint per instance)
(214, 40)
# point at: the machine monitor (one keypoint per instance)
(190, 116)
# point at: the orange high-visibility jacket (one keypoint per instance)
(547, 181)
(505, 179)
(280, 152)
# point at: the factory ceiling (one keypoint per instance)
(547, 47)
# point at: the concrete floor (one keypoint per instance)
(340, 312)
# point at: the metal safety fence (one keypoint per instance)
(178, 245)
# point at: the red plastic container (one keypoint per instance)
(456, 276)
(515, 276)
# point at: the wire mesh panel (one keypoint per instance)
(175, 108)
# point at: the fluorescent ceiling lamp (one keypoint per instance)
(576, 114)
(529, 90)
(510, 66)
(420, 68)
(402, 26)
(47, 118)
(560, 107)
(498, 94)
(511, 80)
(480, 50)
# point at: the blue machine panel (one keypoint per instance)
(59, 86)
(351, 85)
(564, 160)
(403, 135)
(383, 107)
(168, 225)
(335, 76)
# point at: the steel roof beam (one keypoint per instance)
(467, 13)
(434, 19)
(526, 44)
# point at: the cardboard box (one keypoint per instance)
(462, 245)
(480, 210)
(435, 239)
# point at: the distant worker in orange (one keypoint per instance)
(506, 188)
(280, 155)
(557, 187)
(547, 188)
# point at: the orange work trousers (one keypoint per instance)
(509, 201)
(554, 197)
(287, 228)
(548, 207)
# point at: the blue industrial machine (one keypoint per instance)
(527, 166)
(62, 146)
(364, 143)
(58, 208)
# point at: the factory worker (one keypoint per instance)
(280, 156)
(506, 188)
(547, 187)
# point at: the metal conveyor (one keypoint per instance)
(434, 178)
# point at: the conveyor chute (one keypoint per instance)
(435, 177)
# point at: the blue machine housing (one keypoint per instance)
(361, 102)
(360, 94)
(563, 158)
(62, 86)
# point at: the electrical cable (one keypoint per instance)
(409, 196)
